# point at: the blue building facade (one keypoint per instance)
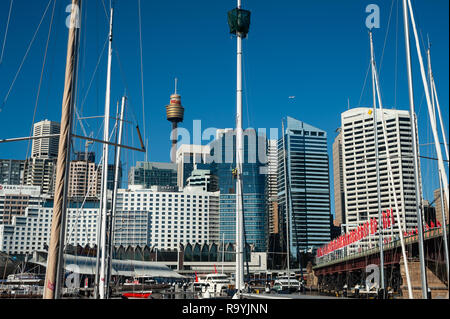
(308, 186)
(223, 157)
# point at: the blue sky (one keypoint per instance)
(317, 51)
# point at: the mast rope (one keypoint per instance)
(396, 59)
(385, 38)
(93, 74)
(42, 75)
(364, 85)
(106, 11)
(142, 75)
(24, 58)
(122, 73)
(6, 31)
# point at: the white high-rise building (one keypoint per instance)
(40, 168)
(359, 169)
(45, 148)
(163, 218)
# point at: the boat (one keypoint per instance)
(140, 280)
(25, 279)
(137, 295)
(286, 284)
(216, 285)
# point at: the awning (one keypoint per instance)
(127, 268)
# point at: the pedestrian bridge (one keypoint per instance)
(335, 270)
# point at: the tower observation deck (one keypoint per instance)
(175, 115)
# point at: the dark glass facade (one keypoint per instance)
(308, 185)
(223, 157)
(152, 173)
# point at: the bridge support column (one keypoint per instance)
(311, 279)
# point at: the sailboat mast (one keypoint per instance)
(435, 103)
(401, 228)
(223, 251)
(288, 210)
(116, 186)
(415, 151)
(55, 250)
(377, 163)
(104, 192)
(239, 158)
(427, 95)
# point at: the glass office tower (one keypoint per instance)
(308, 186)
(223, 158)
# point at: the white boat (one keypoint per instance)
(140, 280)
(214, 285)
(25, 278)
(285, 284)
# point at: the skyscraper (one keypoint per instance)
(360, 179)
(84, 179)
(272, 187)
(40, 169)
(45, 147)
(308, 186)
(223, 157)
(338, 174)
(41, 172)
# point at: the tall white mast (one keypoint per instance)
(377, 163)
(435, 99)
(415, 146)
(435, 102)
(239, 159)
(391, 184)
(114, 202)
(427, 95)
(104, 192)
